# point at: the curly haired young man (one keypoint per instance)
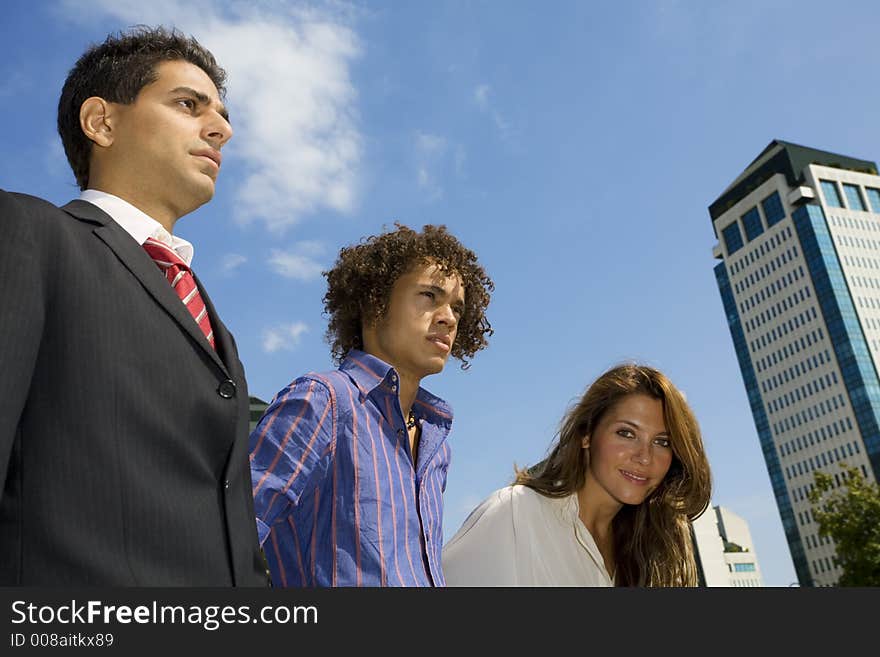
(349, 466)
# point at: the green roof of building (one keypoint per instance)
(785, 158)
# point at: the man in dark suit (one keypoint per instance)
(123, 404)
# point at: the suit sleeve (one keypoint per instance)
(290, 450)
(22, 300)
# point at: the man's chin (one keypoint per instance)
(435, 366)
(201, 191)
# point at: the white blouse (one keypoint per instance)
(518, 537)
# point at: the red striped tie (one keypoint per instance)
(181, 279)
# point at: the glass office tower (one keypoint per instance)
(799, 275)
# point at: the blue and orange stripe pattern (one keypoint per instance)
(338, 499)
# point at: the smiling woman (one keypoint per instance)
(610, 505)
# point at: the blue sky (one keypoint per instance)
(575, 146)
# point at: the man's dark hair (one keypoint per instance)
(116, 71)
(359, 286)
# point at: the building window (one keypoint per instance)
(853, 197)
(831, 193)
(774, 213)
(873, 198)
(752, 222)
(744, 567)
(732, 238)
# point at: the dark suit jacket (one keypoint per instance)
(123, 435)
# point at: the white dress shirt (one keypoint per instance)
(518, 537)
(136, 223)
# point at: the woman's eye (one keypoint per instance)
(626, 433)
(663, 442)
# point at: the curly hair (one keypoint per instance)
(652, 540)
(116, 71)
(359, 286)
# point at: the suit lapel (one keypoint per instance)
(136, 260)
(222, 338)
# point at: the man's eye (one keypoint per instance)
(188, 103)
(428, 294)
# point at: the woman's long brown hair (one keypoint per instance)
(652, 540)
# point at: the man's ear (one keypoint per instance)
(96, 118)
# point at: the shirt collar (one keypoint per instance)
(370, 373)
(570, 510)
(137, 223)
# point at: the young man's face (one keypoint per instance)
(166, 144)
(419, 328)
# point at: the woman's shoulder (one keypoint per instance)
(508, 505)
(518, 503)
(494, 509)
(483, 550)
(496, 502)
(524, 499)
(513, 497)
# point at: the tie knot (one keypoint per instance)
(179, 275)
(163, 255)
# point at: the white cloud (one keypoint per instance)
(299, 262)
(482, 97)
(231, 261)
(429, 145)
(291, 99)
(56, 160)
(430, 154)
(310, 247)
(284, 337)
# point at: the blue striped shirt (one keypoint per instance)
(337, 499)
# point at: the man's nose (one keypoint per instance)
(217, 130)
(445, 315)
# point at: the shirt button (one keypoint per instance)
(394, 377)
(226, 484)
(226, 389)
(393, 388)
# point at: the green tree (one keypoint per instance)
(850, 516)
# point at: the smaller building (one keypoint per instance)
(724, 550)
(257, 407)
